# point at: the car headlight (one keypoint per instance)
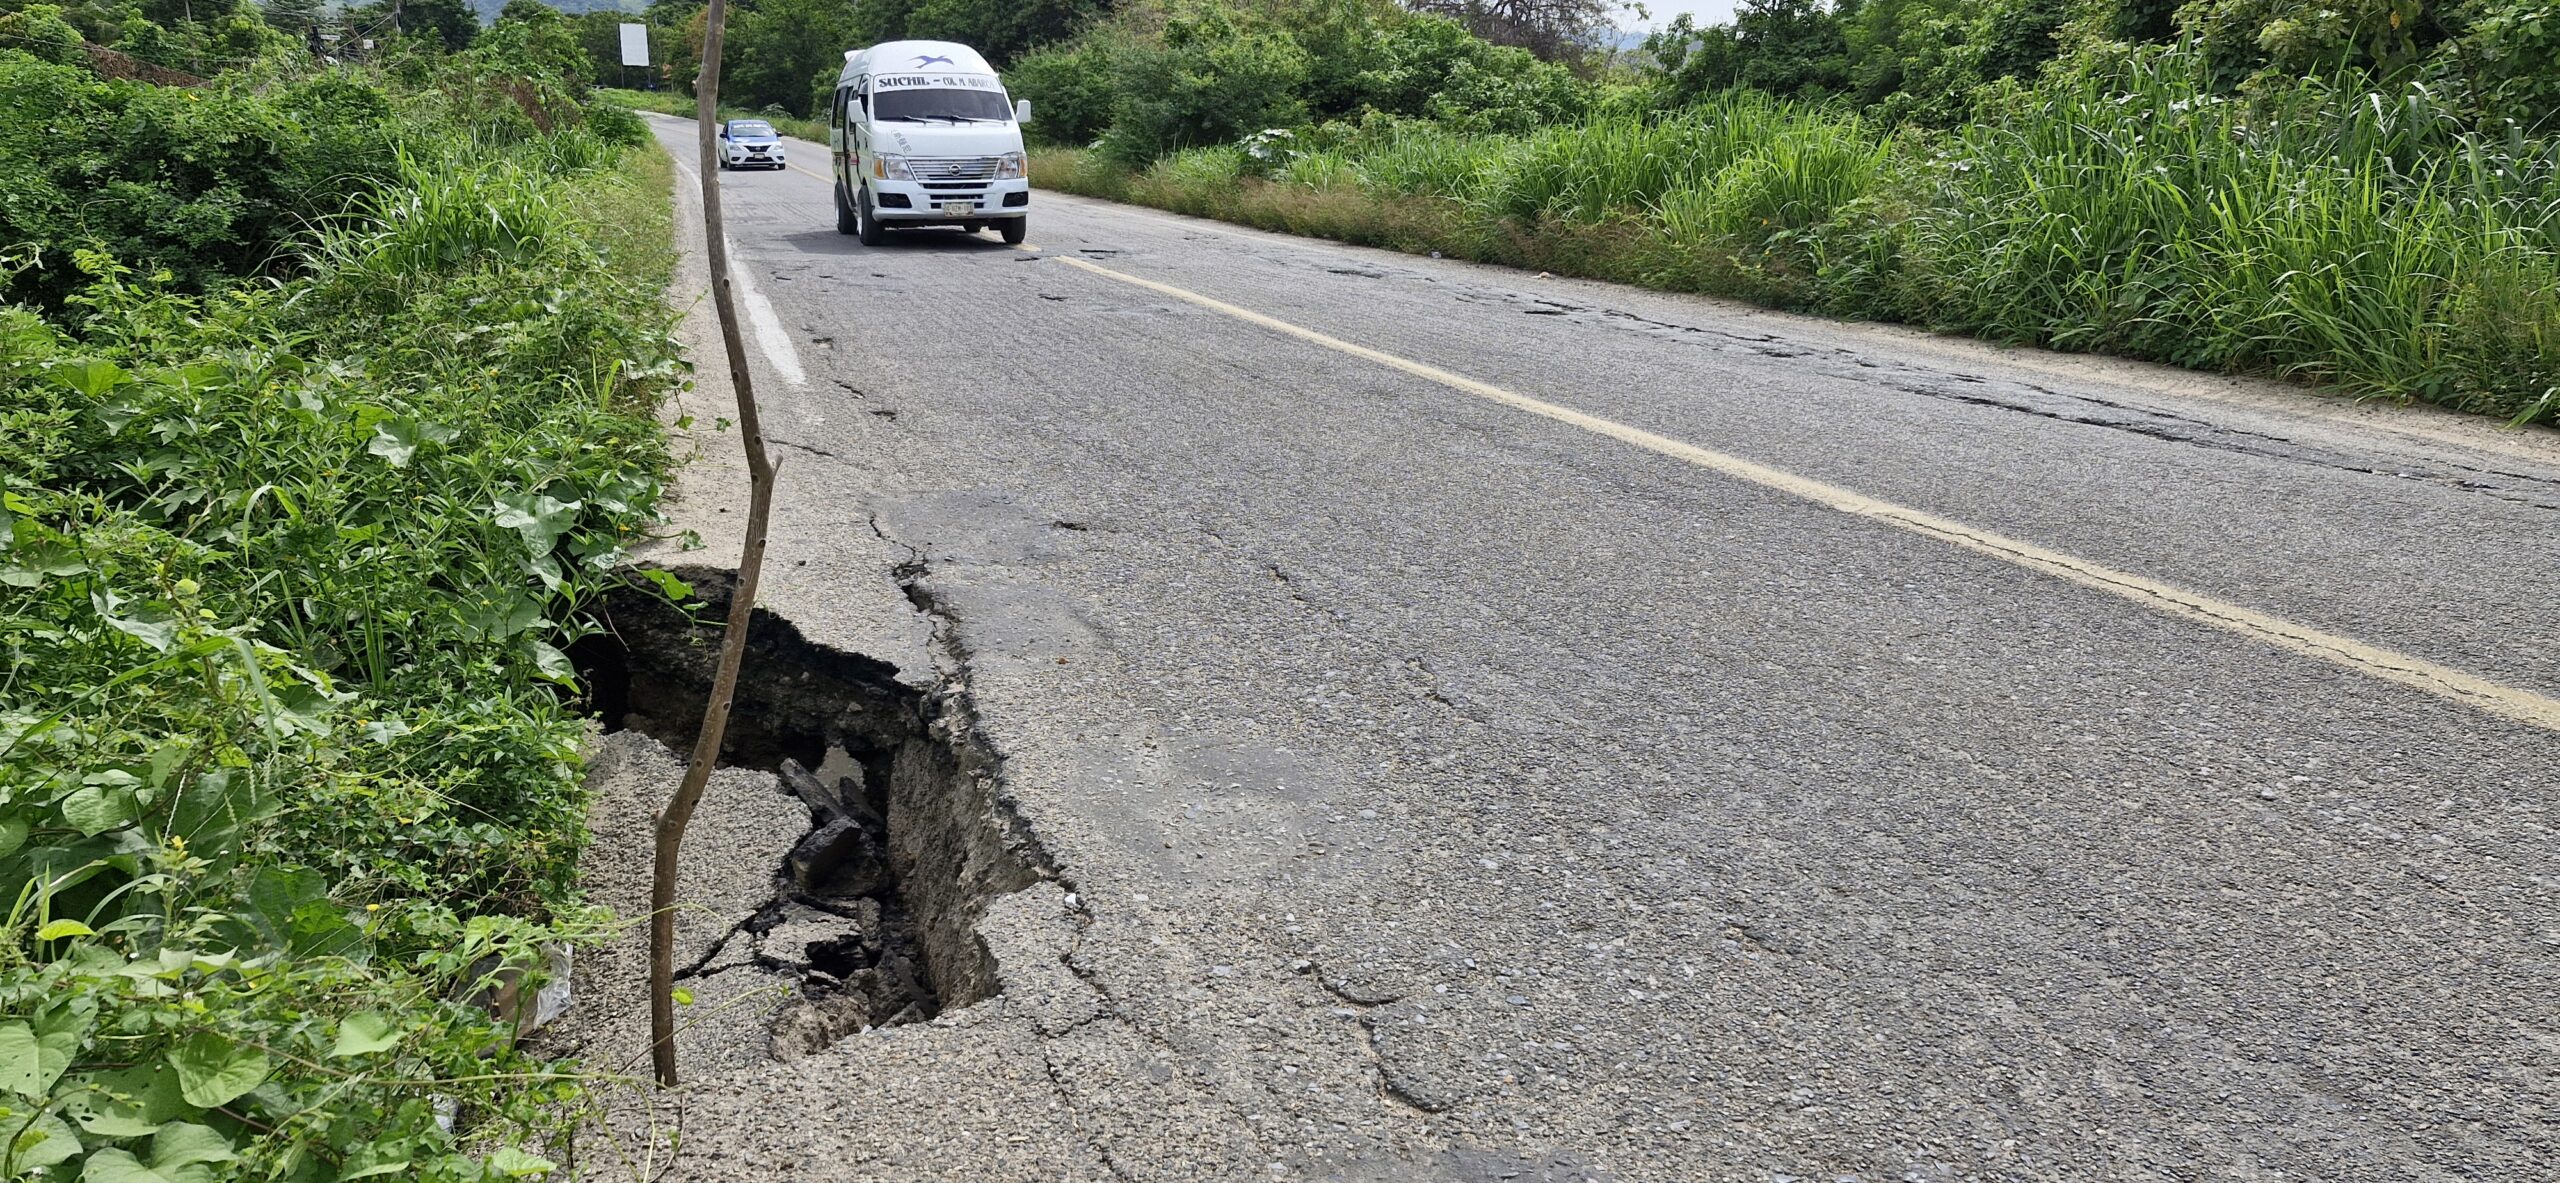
(1009, 166)
(893, 168)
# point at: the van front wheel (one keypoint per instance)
(867, 226)
(1014, 230)
(845, 221)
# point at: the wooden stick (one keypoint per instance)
(742, 599)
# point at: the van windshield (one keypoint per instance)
(931, 103)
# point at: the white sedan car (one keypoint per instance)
(749, 143)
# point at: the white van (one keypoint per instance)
(922, 135)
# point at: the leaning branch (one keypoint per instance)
(742, 601)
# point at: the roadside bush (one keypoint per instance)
(204, 184)
(291, 546)
(1431, 65)
(39, 31)
(1211, 78)
(1071, 91)
(1509, 92)
(2509, 52)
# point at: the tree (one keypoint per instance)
(1551, 29)
(1791, 48)
(1431, 66)
(174, 13)
(742, 598)
(534, 41)
(1070, 88)
(776, 47)
(144, 41)
(448, 23)
(39, 30)
(1687, 63)
(1928, 60)
(295, 17)
(2510, 51)
(2241, 38)
(1000, 29)
(599, 33)
(1214, 76)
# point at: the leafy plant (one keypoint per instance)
(288, 750)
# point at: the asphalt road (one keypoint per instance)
(1459, 788)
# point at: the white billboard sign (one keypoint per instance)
(635, 45)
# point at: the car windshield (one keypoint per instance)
(956, 104)
(743, 128)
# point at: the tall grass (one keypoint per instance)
(2363, 240)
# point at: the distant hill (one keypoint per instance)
(488, 9)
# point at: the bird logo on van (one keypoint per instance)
(923, 60)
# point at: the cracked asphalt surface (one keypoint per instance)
(1442, 793)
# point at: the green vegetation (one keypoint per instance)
(2351, 197)
(325, 404)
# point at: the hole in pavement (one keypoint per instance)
(874, 912)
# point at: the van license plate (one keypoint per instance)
(959, 207)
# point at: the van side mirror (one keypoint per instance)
(1022, 110)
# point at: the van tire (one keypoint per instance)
(1014, 230)
(866, 226)
(845, 223)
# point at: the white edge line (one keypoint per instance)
(770, 335)
(2515, 704)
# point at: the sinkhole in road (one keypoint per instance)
(874, 913)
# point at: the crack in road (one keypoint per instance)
(1916, 380)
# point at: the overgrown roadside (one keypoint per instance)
(2371, 246)
(290, 787)
(2364, 202)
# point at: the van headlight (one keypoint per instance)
(1009, 166)
(890, 168)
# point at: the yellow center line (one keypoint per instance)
(2507, 702)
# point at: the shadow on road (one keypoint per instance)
(945, 240)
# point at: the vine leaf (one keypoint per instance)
(213, 1070)
(50, 1140)
(179, 1154)
(363, 1034)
